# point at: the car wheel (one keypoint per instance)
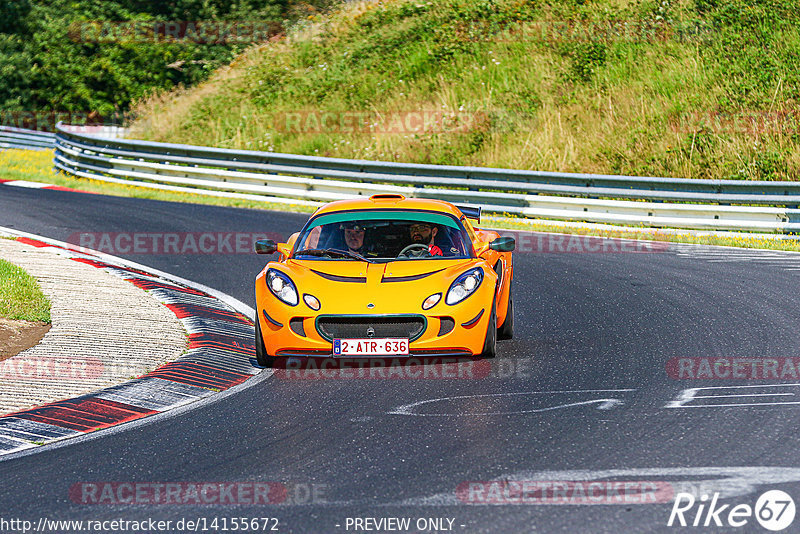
(263, 359)
(490, 345)
(507, 330)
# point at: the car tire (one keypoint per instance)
(507, 330)
(490, 344)
(263, 359)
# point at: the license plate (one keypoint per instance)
(370, 347)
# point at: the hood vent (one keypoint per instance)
(337, 278)
(409, 278)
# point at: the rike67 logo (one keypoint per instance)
(774, 510)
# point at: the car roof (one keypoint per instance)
(390, 201)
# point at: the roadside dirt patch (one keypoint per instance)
(16, 336)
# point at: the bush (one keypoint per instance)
(48, 63)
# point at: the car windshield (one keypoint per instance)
(367, 235)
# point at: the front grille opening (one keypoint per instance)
(296, 324)
(446, 325)
(365, 326)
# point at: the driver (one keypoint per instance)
(423, 234)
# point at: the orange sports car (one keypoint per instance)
(383, 277)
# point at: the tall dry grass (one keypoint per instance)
(602, 104)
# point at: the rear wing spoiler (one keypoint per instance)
(471, 212)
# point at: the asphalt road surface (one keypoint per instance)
(581, 394)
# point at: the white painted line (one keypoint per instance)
(793, 384)
(735, 405)
(762, 261)
(27, 184)
(745, 395)
(605, 403)
(688, 395)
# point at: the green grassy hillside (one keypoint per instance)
(702, 89)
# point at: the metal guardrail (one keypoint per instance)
(654, 202)
(26, 139)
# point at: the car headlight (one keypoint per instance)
(464, 286)
(282, 287)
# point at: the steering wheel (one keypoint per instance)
(414, 247)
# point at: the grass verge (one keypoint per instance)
(20, 295)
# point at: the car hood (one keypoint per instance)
(350, 287)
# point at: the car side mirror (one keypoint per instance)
(266, 246)
(503, 244)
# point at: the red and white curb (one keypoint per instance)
(220, 355)
(39, 185)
